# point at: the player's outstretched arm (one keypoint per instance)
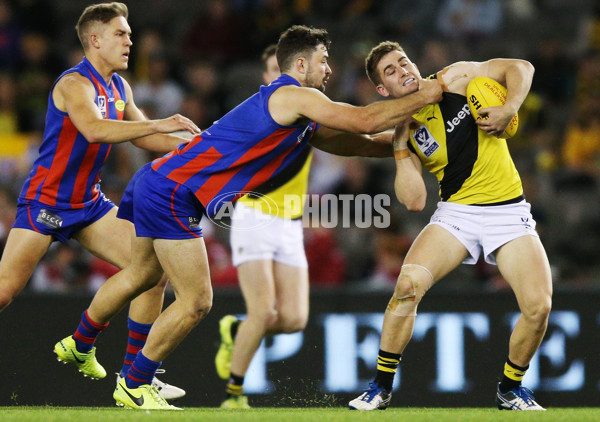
(290, 103)
(158, 142)
(352, 144)
(76, 95)
(409, 184)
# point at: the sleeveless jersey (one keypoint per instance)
(67, 172)
(238, 153)
(292, 181)
(472, 167)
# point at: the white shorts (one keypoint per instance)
(485, 227)
(258, 236)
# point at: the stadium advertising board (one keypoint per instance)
(455, 358)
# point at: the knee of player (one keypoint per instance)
(9, 289)
(265, 314)
(413, 282)
(270, 319)
(200, 308)
(292, 323)
(201, 312)
(407, 288)
(404, 287)
(538, 310)
(6, 297)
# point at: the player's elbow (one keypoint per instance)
(415, 205)
(525, 67)
(414, 201)
(529, 66)
(95, 137)
(141, 143)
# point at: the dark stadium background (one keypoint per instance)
(211, 51)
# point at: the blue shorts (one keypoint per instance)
(160, 207)
(61, 223)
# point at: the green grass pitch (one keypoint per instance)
(78, 414)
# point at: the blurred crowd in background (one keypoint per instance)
(202, 58)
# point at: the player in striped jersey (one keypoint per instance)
(482, 210)
(241, 151)
(90, 107)
(267, 247)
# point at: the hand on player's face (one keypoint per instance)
(432, 88)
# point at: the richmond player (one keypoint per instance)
(482, 209)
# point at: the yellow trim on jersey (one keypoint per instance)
(296, 189)
(476, 174)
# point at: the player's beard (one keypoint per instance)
(318, 84)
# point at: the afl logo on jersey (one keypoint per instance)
(120, 105)
(425, 141)
(102, 105)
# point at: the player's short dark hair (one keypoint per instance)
(269, 51)
(375, 56)
(299, 40)
(103, 12)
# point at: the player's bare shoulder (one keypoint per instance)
(70, 85)
(128, 89)
(285, 104)
(457, 76)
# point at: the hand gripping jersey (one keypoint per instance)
(67, 172)
(238, 153)
(472, 167)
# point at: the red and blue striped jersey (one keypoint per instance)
(238, 153)
(67, 172)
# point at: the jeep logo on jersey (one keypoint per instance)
(102, 105)
(425, 141)
(48, 219)
(451, 124)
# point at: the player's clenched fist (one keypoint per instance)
(432, 88)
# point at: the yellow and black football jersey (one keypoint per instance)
(472, 167)
(293, 180)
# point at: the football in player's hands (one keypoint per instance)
(483, 92)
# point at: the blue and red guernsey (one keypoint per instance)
(238, 153)
(67, 172)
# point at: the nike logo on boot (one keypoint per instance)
(137, 400)
(76, 358)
